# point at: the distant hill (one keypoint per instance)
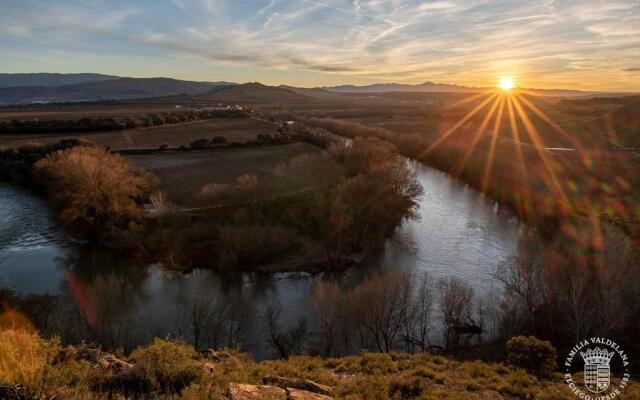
(50, 80)
(566, 92)
(254, 93)
(431, 87)
(316, 93)
(112, 89)
(399, 87)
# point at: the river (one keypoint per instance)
(459, 233)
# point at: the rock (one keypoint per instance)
(297, 383)
(236, 391)
(297, 394)
(95, 357)
(111, 363)
(215, 356)
(209, 367)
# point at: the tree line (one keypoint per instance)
(16, 126)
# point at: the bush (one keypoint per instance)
(200, 144)
(166, 366)
(532, 354)
(218, 140)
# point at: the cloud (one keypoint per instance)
(632, 69)
(401, 40)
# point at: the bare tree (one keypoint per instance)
(385, 299)
(198, 316)
(525, 283)
(285, 342)
(277, 337)
(455, 302)
(326, 303)
(418, 320)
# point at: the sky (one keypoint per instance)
(576, 44)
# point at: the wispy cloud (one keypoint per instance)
(399, 40)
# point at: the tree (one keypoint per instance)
(384, 302)
(96, 192)
(525, 283)
(455, 301)
(328, 309)
(379, 194)
(418, 316)
(286, 342)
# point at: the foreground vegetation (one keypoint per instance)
(35, 368)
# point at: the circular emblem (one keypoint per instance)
(597, 355)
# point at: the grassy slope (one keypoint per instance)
(167, 370)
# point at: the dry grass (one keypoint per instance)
(23, 357)
(173, 370)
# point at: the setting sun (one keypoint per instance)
(506, 84)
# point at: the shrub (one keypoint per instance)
(200, 144)
(218, 140)
(532, 354)
(166, 365)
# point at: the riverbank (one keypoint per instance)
(569, 196)
(460, 234)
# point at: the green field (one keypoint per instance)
(182, 175)
(233, 129)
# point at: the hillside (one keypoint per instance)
(254, 93)
(113, 89)
(398, 87)
(35, 368)
(50, 80)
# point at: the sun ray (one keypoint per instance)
(576, 143)
(539, 145)
(477, 136)
(451, 130)
(494, 137)
(464, 101)
(515, 133)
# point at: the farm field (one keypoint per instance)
(277, 169)
(233, 129)
(77, 111)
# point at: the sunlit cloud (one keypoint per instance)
(540, 43)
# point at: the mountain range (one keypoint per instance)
(50, 80)
(431, 87)
(18, 89)
(52, 88)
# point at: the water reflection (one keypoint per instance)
(459, 233)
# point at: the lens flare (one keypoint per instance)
(506, 84)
